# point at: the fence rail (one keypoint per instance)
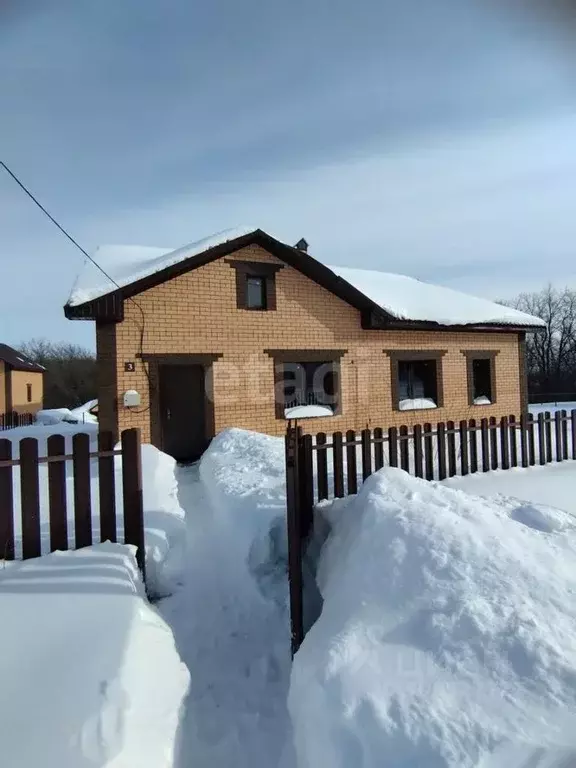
(11, 420)
(88, 468)
(322, 467)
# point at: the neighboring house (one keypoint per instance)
(21, 382)
(243, 330)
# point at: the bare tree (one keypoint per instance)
(551, 356)
(70, 377)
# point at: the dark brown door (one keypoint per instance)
(183, 411)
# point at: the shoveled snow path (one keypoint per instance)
(231, 639)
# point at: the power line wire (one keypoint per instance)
(35, 200)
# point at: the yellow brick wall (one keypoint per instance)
(20, 380)
(196, 313)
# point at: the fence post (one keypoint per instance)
(30, 498)
(57, 493)
(306, 483)
(294, 547)
(573, 422)
(6, 503)
(132, 495)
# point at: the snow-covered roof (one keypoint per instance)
(403, 298)
(406, 298)
(127, 263)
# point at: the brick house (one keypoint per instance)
(21, 382)
(243, 330)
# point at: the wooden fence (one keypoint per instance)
(86, 466)
(322, 467)
(12, 420)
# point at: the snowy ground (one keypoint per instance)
(446, 637)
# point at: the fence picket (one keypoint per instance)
(57, 494)
(473, 445)
(338, 462)
(378, 449)
(306, 473)
(82, 500)
(418, 466)
(451, 442)
(106, 488)
(30, 498)
(322, 466)
(558, 435)
(573, 423)
(366, 453)
(6, 503)
(393, 446)
(504, 443)
(513, 428)
(523, 440)
(132, 493)
(531, 441)
(464, 466)
(441, 441)
(564, 434)
(541, 440)
(548, 432)
(351, 470)
(404, 449)
(493, 427)
(428, 452)
(485, 443)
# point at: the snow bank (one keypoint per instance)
(307, 411)
(90, 675)
(447, 636)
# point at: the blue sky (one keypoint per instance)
(435, 139)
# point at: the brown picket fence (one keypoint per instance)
(11, 420)
(323, 467)
(85, 465)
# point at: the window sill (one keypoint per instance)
(418, 404)
(309, 412)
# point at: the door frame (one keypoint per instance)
(154, 362)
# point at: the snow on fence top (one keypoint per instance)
(402, 297)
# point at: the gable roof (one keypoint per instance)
(18, 361)
(384, 299)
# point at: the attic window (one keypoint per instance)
(255, 284)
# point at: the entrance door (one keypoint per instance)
(183, 411)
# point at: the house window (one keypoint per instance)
(29, 393)
(481, 377)
(307, 383)
(417, 384)
(255, 284)
(416, 379)
(255, 292)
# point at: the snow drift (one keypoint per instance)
(447, 637)
(90, 674)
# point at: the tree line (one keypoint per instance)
(71, 378)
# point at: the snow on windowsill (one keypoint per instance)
(417, 404)
(482, 400)
(307, 411)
